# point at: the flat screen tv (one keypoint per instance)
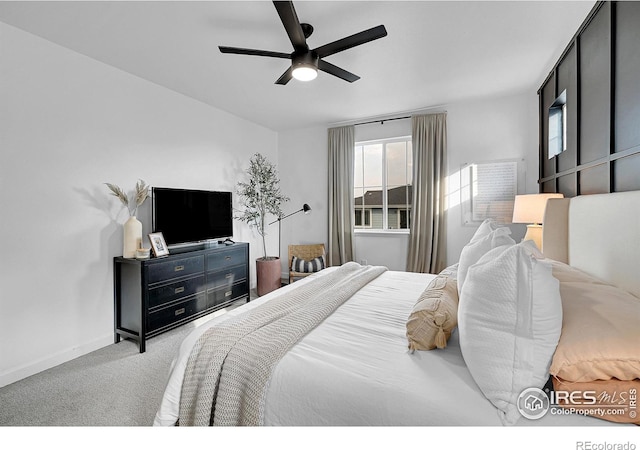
(187, 216)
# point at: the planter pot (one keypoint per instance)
(267, 275)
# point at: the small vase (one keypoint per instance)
(132, 237)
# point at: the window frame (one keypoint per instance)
(369, 230)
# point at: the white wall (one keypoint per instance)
(68, 124)
(488, 130)
(303, 165)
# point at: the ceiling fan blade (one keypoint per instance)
(289, 18)
(250, 51)
(285, 77)
(337, 71)
(351, 41)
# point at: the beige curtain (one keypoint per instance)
(427, 240)
(341, 155)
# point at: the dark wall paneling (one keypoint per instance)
(567, 185)
(626, 173)
(627, 82)
(549, 187)
(595, 180)
(595, 88)
(548, 97)
(568, 81)
(600, 72)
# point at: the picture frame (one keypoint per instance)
(158, 245)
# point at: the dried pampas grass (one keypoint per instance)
(141, 194)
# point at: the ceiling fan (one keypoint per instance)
(305, 62)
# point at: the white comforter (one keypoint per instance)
(355, 369)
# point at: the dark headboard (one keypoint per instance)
(599, 72)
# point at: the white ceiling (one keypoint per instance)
(435, 52)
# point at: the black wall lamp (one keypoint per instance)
(305, 208)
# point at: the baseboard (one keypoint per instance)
(61, 357)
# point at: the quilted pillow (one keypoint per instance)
(509, 322)
(480, 245)
(434, 316)
(303, 266)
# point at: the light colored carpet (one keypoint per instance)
(113, 386)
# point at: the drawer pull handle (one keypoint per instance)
(179, 311)
(227, 258)
(178, 268)
(227, 294)
(179, 290)
(229, 275)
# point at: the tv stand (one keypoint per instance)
(155, 295)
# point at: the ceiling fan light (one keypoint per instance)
(305, 73)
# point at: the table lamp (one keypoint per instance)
(529, 209)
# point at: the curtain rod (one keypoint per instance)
(382, 121)
(405, 115)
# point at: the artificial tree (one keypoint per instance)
(260, 196)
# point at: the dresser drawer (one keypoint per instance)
(176, 312)
(175, 268)
(162, 294)
(225, 258)
(226, 294)
(228, 277)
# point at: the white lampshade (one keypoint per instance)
(530, 208)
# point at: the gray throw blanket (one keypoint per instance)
(230, 366)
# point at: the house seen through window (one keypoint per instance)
(382, 184)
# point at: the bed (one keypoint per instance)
(355, 366)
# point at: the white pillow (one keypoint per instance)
(509, 321)
(484, 229)
(478, 246)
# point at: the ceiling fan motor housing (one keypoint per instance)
(305, 59)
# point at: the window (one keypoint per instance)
(382, 184)
(360, 214)
(558, 126)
